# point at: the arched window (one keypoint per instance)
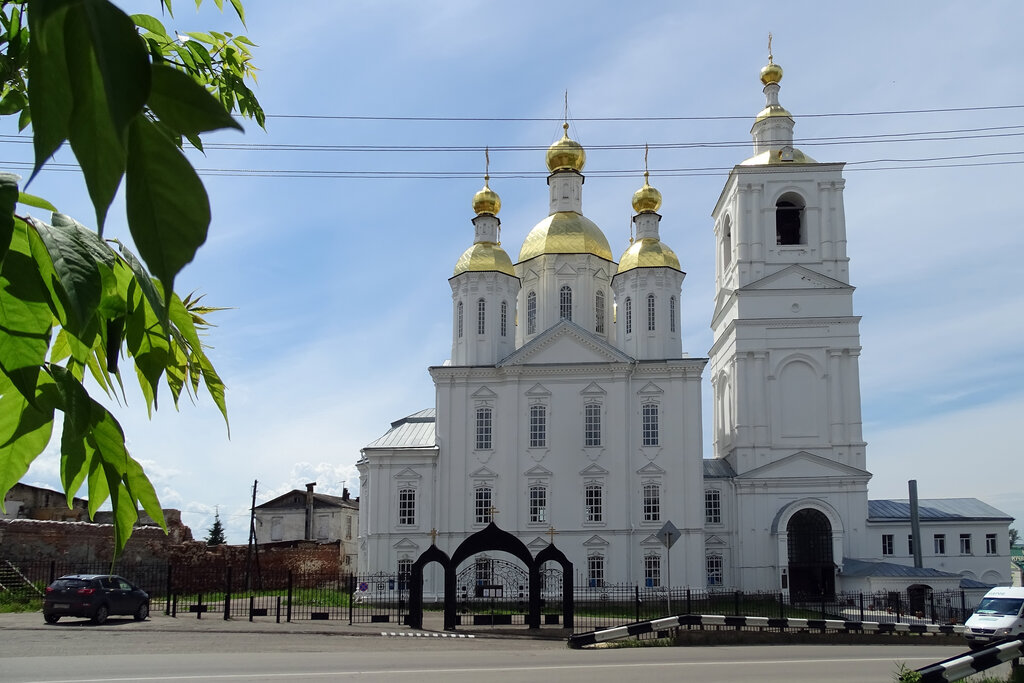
(481, 316)
(599, 312)
(504, 318)
(565, 303)
(715, 569)
(727, 243)
(458, 319)
(650, 313)
(628, 305)
(789, 223)
(531, 312)
(672, 314)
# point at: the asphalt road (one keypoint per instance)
(163, 649)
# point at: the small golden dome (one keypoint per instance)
(648, 253)
(484, 257)
(486, 200)
(771, 73)
(647, 198)
(565, 232)
(566, 154)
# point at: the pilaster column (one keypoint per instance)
(835, 397)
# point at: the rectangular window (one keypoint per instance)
(595, 571)
(910, 544)
(348, 527)
(650, 313)
(407, 507)
(323, 523)
(887, 544)
(652, 503)
(712, 506)
(672, 314)
(629, 315)
(484, 417)
(650, 432)
(538, 504)
(652, 571)
(594, 503)
(990, 544)
(599, 312)
(715, 570)
(538, 426)
(276, 526)
(592, 424)
(565, 303)
(531, 313)
(504, 319)
(940, 544)
(483, 507)
(484, 571)
(404, 570)
(481, 317)
(965, 544)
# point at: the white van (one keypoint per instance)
(999, 614)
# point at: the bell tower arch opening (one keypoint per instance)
(809, 541)
(789, 220)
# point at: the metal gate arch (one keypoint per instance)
(490, 538)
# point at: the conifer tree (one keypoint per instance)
(215, 534)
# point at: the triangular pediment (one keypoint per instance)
(721, 301)
(593, 471)
(796, 277)
(537, 543)
(804, 465)
(408, 473)
(650, 469)
(405, 544)
(483, 473)
(652, 540)
(595, 541)
(650, 389)
(538, 390)
(566, 270)
(537, 471)
(563, 344)
(530, 275)
(714, 541)
(484, 393)
(593, 389)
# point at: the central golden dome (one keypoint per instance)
(566, 154)
(484, 257)
(486, 201)
(648, 253)
(771, 73)
(565, 232)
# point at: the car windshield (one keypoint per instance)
(1000, 606)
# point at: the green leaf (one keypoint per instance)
(8, 202)
(24, 432)
(142, 280)
(37, 202)
(168, 210)
(12, 102)
(150, 23)
(71, 272)
(199, 52)
(239, 10)
(25, 316)
(202, 37)
(214, 385)
(148, 345)
(142, 491)
(49, 86)
(184, 105)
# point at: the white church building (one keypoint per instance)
(569, 412)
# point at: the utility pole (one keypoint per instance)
(252, 542)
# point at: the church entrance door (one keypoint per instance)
(811, 569)
(492, 591)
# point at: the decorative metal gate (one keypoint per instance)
(811, 569)
(492, 591)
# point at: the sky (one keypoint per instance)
(334, 263)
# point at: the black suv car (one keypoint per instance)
(94, 596)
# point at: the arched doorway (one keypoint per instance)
(919, 595)
(811, 569)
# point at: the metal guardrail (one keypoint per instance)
(824, 625)
(970, 663)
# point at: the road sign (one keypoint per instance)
(668, 534)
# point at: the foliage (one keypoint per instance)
(215, 534)
(123, 93)
(1014, 536)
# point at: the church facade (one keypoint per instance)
(569, 412)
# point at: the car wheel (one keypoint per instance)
(142, 612)
(51, 618)
(102, 612)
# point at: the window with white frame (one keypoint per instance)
(481, 316)
(650, 424)
(652, 502)
(538, 426)
(484, 428)
(887, 544)
(965, 544)
(458, 318)
(531, 313)
(484, 572)
(628, 306)
(538, 504)
(592, 424)
(712, 506)
(404, 571)
(276, 528)
(599, 312)
(715, 569)
(652, 570)
(565, 302)
(594, 502)
(483, 510)
(595, 571)
(504, 318)
(940, 544)
(406, 506)
(650, 313)
(991, 548)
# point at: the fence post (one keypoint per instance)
(227, 597)
(823, 607)
(636, 601)
(963, 607)
(199, 606)
(931, 604)
(689, 603)
(736, 603)
(174, 606)
(252, 603)
(351, 595)
(862, 607)
(53, 572)
(782, 606)
(279, 609)
(288, 609)
(167, 607)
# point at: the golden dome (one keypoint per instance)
(771, 72)
(565, 232)
(483, 257)
(648, 253)
(566, 154)
(486, 200)
(778, 156)
(647, 198)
